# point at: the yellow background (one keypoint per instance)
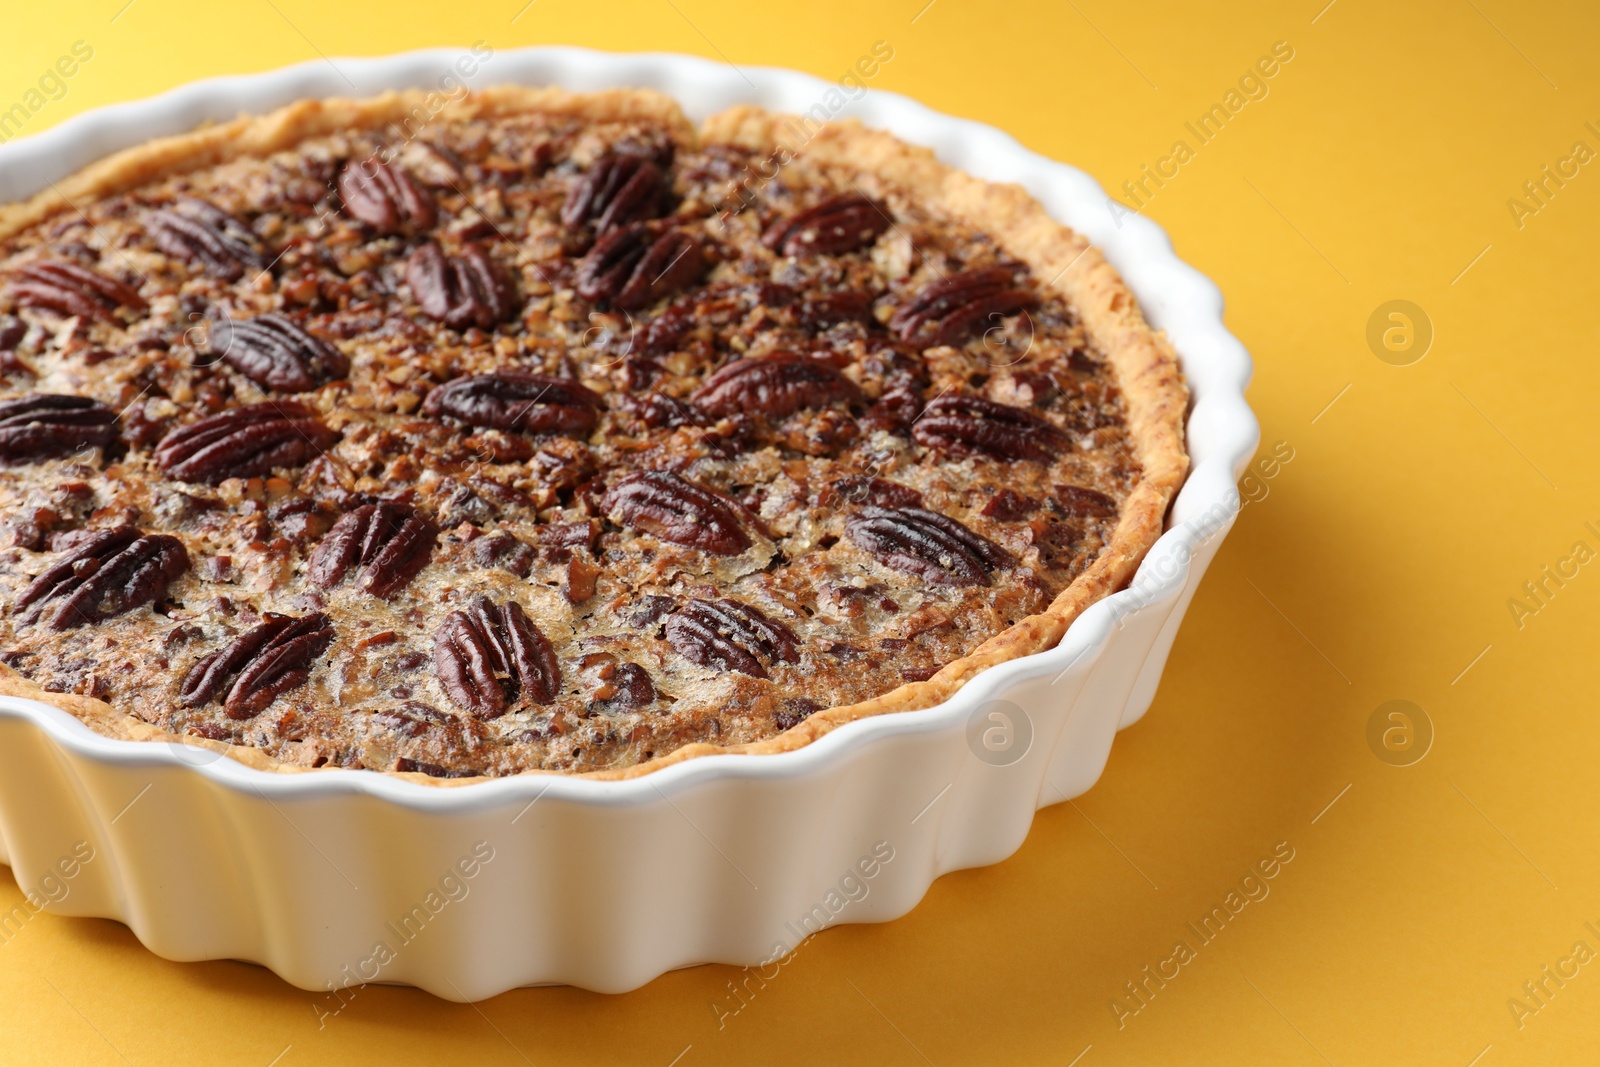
(1378, 566)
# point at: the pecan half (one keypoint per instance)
(931, 546)
(568, 535)
(620, 187)
(840, 223)
(1008, 506)
(972, 424)
(245, 441)
(388, 543)
(865, 489)
(672, 509)
(47, 424)
(947, 311)
(385, 197)
(69, 289)
(1081, 502)
(775, 385)
(107, 573)
(633, 266)
(275, 353)
(730, 636)
(517, 402)
(470, 289)
(263, 663)
(202, 233)
(489, 656)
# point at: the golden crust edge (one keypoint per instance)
(1145, 362)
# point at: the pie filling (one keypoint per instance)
(530, 442)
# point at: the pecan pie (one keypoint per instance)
(548, 432)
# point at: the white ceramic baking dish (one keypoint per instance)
(340, 877)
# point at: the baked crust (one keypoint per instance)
(1145, 366)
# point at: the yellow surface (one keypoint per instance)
(1377, 566)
